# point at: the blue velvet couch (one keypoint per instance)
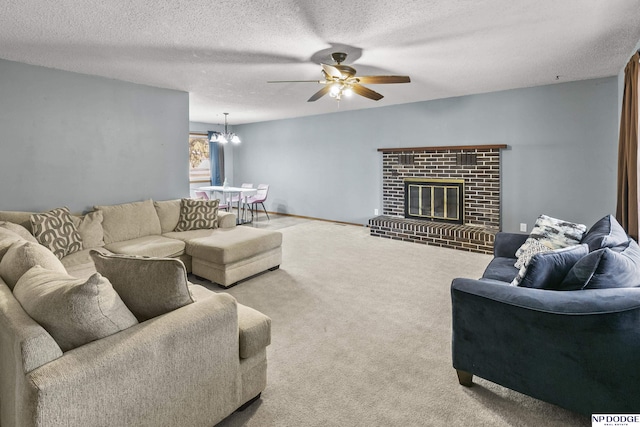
(578, 349)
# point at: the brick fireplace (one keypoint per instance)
(424, 173)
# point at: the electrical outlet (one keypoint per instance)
(523, 227)
(375, 211)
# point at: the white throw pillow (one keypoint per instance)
(548, 234)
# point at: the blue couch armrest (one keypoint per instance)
(576, 349)
(506, 244)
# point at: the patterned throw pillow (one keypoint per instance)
(197, 214)
(56, 231)
(534, 247)
(550, 233)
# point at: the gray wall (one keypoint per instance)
(77, 140)
(561, 159)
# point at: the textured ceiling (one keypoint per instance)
(224, 52)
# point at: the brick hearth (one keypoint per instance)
(479, 166)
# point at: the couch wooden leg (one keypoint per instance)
(465, 378)
(248, 403)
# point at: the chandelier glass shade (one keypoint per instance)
(226, 136)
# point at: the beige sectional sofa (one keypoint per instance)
(224, 255)
(192, 365)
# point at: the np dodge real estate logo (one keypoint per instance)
(615, 420)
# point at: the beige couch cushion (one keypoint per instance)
(197, 214)
(152, 246)
(73, 311)
(56, 231)
(7, 238)
(17, 217)
(19, 230)
(169, 214)
(90, 228)
(149, 287)
(23, 255)
(230, 245)
(129, 221)
(191, 234)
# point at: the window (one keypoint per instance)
(199, 163)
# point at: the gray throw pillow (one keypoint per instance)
(73, 311)
(547, 270)
(197, 214)
(617, 267)
(150, 287)
(23, 255)
(606, 233)
(55, 230)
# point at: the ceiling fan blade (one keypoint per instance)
(295, 81)
(366, 92)
(332, 71)
(377, 80)
(319, 94)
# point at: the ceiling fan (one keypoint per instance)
(340, 80)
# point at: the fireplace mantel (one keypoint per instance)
(445, 147)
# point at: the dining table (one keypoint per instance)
(227, 193)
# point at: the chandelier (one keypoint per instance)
(225, 137)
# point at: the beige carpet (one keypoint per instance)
(362, 337)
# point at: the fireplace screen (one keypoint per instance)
(434, 199)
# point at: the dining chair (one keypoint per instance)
(202, 195)
(237, 200)
(259, 197)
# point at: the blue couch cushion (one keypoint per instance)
(617, 267)
(502, 269)
(547, 270)
(606, 233)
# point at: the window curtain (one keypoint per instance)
(627, 192)
(216, 157)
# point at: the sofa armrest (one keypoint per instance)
(187, 358)
(576, 349)
(226, 219)
(506, 244)
(24, 344)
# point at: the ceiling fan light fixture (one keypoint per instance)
(339, 80)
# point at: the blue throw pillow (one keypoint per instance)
(547, 270)
(606, 233)
(617, 267)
